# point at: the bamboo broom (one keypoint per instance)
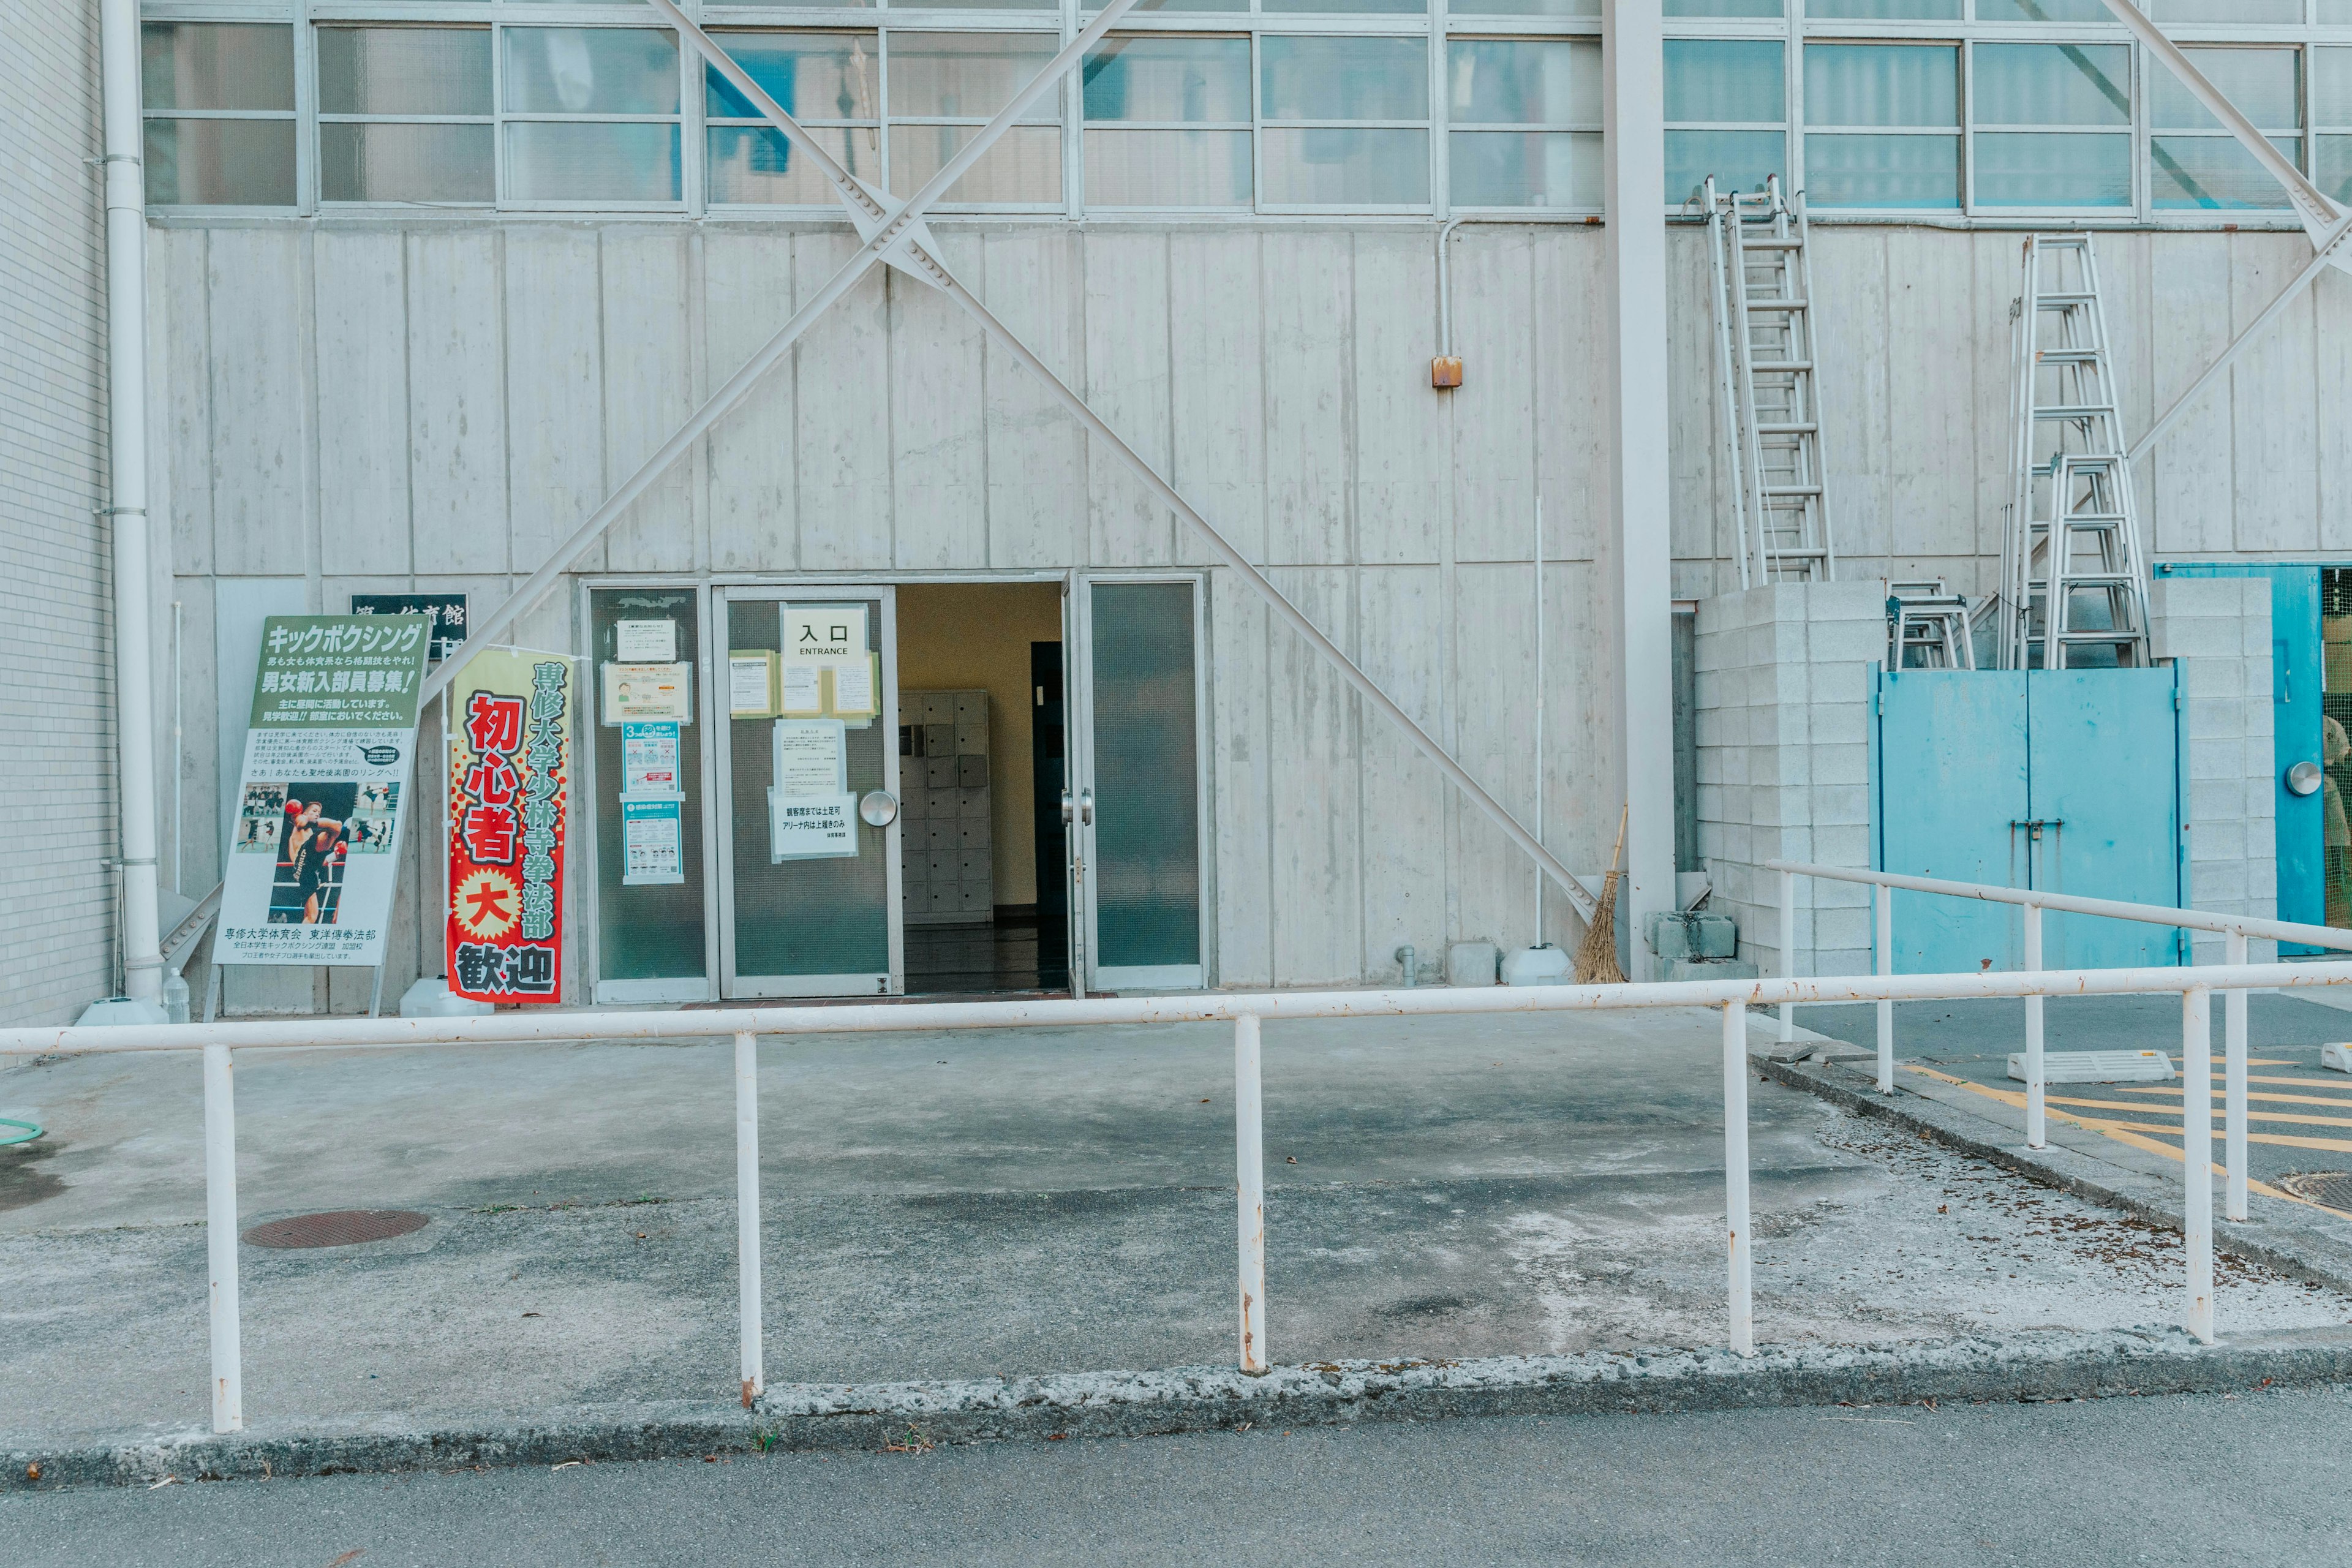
(1596, 956)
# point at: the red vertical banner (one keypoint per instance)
(510, 786)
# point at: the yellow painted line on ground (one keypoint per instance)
(2122, 1133)
(2286, 1117)
(2175, 1093)
(2279, 1140)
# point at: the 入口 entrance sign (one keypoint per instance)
(315, 851)
(509, 781)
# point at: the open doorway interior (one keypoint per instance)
(980, 754)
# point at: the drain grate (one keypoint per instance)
(342, 1227)
(2331, 1188)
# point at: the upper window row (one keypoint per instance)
(598, 117)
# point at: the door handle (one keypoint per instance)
(1069, 811)
(1086, 807)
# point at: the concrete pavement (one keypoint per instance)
(2182, 1481)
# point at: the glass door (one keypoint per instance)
(1137, 751)
(810, 896)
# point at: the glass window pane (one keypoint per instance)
(590, 162)
(1143, 7)
(1716, 80)
(814, 76)
(1377, 8)
(2053, 84)
(2044, 170)
(1147, 77)
(1146, 776)
(1526, 8)
(1886, 10)
(404, 163)
(645, 930)
(1168, 168)
(1349, 168)
(977, 5)
(1723, 8)
(2331, 87)
(216, 65)
(968, 74)
(2260, 82)
(2043, 11)
(591, 70)
(1521, 81)
(1882, 84)
(220, 163)
(2334, 13)
(1882, 171)
(2227, 11)
(1344, 78)
(1025, 165)
(2335, 172)
(754, 163)
(404, 71)
(1525, 168)
(2213, 172)
(1739, 160)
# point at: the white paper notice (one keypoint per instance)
(804, 690)
(648, 691)
(853, 687)
(648, 760)
(811, 827)
(645, 642)
(751, 679)
(811, 758)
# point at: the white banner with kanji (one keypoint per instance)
(509, 780)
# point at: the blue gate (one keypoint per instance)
(2067, 780)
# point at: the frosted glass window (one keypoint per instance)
(591, 70)
(1359, 7)
(1521, 82)
(1726, 103)
(1525, 169)
(2226, 11)
(219, 99)
(2215, 172)
(1146, 7)
(1908, 96)
(1162, 92)
(590, 161)
(1152, 78)
(2334, 13)
(1724, 8)
(2043, 11)
(433, 71)
(406, 161)
(1526, 8)
(2054, 125)
(2260, 82)
(1344, 78)
(2331, 87)
(944, 87)
(1024, 167)
(2334, 175)
(830, 82)
(1346, 166)
(1884, 10)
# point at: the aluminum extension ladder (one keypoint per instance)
(1928, 627)
(2074, 581)
(1766, 354)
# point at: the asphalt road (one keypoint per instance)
(2252, 1478)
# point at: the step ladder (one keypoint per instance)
(2073, 581)
(1928, 627)
(1766, 357)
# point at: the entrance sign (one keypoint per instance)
(447, 612)
(826, 645)
(509, 780)
(316, 850)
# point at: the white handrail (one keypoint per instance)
(1243, 1010)
(2235, 929)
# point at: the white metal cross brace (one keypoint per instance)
(2324, 219)
(895, 234)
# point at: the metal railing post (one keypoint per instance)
(1789, 952)
(2037, 1131)
(220, 1239)
(2233, 1015)
(1249, 1169)
(1735, 1175)
(747, 1210)
(2197, 1155)
(1883, 901)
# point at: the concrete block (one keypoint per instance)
(1841, 805)
(2218, 840)
(2217, 757)
(2200, 636)
(1835, 642)
(1848, 764)
(1842, 844)
(2212, 718)
(2216, 800)
(1841, 723)
(1843, 681)
(1840, 960)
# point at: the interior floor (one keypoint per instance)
(999, 954)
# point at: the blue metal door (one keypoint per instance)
(2065, 780)
(2102, 762)
(1952, 777)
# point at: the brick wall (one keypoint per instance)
(58, 795)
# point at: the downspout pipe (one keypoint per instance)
(126, 513)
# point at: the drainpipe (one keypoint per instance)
(126, 357)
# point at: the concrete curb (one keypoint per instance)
(820, 1418)
(2279, 1235)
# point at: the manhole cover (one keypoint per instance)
(2331, 1188)
(343, 1228)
